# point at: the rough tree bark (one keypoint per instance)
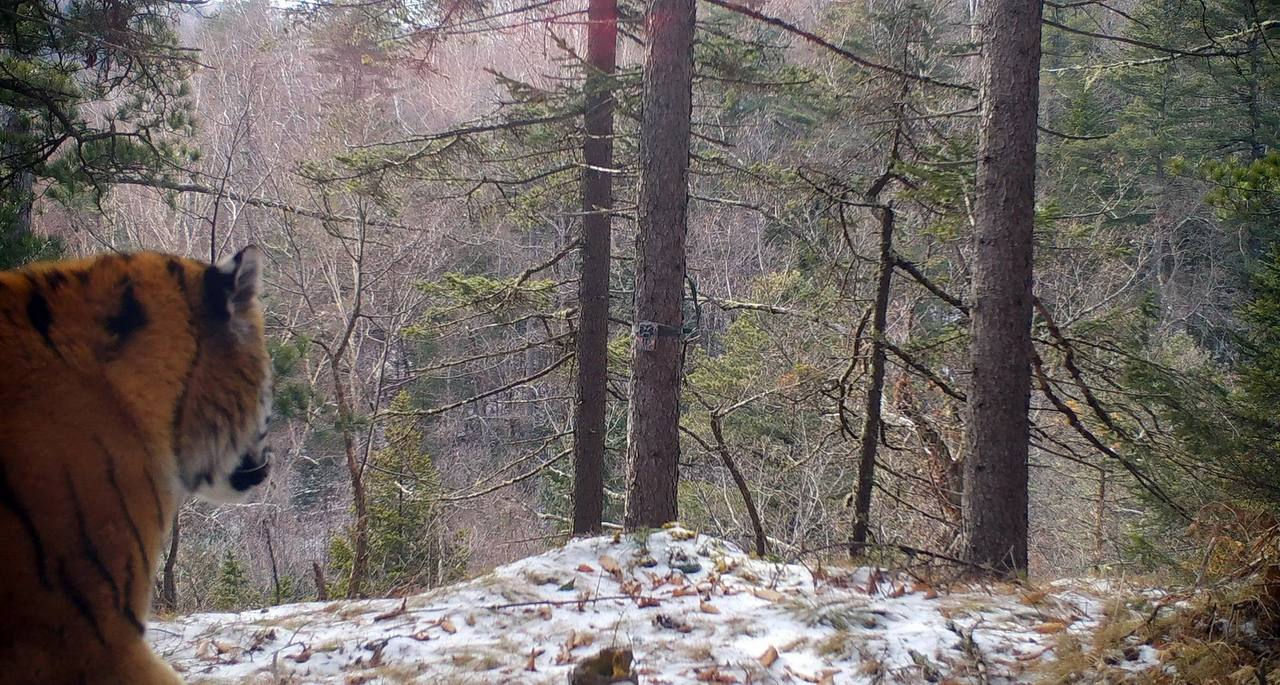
(653, 435)
(593, 286)
(870, 437)
(995, 484)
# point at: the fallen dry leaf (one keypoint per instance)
(713, 675)
(212, 649)
(767, 594)
(769, 657)
(1036, 655)
(532, 663)
(576, 639)
(708, 608)
(873, 582)
(610, 565)
(803, 676)
(725, 564)
(394, 612)
(678, 533)
(205, 649)
(1034, 597)
(928, 590)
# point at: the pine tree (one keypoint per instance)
(653, 434)
(996, 469)
(592, 340)
(60, 60)
(233, 590)
(409, 546)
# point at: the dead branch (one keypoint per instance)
(510, 481)
(161, 184)
(821, 42)
(1074, 420)
(915, 272)
(1069, 362)
(476, 398)
(721, 449)
(925, 371)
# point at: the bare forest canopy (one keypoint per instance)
(415, 173)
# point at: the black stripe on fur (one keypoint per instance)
(130, 318)
(10, 500)
(79, 601)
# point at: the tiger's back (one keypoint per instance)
(126, 382)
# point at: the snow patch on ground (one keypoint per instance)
(691, 608)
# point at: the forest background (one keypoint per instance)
(414, 173)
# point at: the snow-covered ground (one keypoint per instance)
(691, 608)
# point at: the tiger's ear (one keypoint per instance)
(232, 285)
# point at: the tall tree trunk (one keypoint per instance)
(653, 436)
(1257, 149)
(275, 568)
(995, 484)
(870, 438)
(169, 577)
(360, 527)
(1100, 521)
(322, 590)
(18, 178)
(593, 286)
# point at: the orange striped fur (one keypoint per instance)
(127, 382)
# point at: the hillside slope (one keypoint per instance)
(692, 609)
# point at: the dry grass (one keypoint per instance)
(1225, 630)
(839, 644)
(842, 615)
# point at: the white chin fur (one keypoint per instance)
(220, 486)
(221, 492)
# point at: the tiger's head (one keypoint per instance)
(220, 421)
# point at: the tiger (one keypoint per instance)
(127, 383)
